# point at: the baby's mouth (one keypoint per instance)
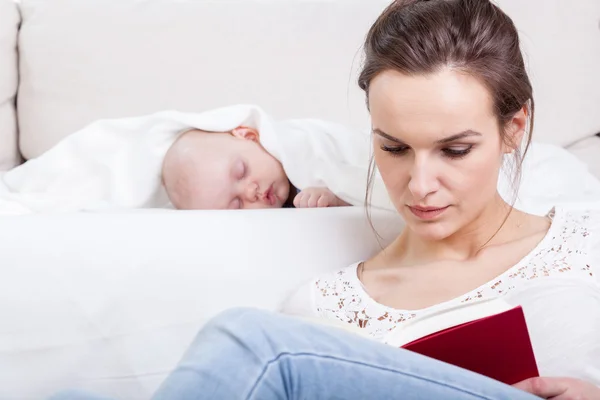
(269, 196)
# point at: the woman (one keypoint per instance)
(449, 99)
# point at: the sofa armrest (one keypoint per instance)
(9, 28)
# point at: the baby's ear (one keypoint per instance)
(244, 132)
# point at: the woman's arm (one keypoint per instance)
(559, 388)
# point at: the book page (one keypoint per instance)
(444, 319)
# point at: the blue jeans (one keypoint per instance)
(250, 354)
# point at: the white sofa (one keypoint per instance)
(108, 302)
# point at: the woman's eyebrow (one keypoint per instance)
(452, 138)
(458, 136)
(386, 136)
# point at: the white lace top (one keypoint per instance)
(557, 284)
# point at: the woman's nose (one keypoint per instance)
(423, 180)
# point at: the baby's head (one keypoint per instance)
(223, 170)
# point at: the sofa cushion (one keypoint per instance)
(9, 26)
(84, 60)
(561, 45)
(108, 302)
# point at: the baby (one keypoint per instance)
(232, 170)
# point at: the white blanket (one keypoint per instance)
(116, 164)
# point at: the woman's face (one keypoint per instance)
(438, 147)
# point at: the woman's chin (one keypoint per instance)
(430, 231)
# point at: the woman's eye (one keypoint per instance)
(457, 152)
(395, 150)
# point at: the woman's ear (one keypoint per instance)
(244, 132)
(515, 130)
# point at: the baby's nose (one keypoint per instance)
(252, 191)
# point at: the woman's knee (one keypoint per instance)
(237, 333)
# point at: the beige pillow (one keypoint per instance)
(9, 25)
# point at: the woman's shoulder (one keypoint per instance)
(576, 233)
(582, 218)
(579, 208)
(304, 300)
(575, 229)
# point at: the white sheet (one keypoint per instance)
(115, 164)
(551, 175)
(588, 151)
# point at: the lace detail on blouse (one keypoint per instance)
(341, 295)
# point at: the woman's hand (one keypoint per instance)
(560, 388)
(317, 197)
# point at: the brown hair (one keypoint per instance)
(417, 37)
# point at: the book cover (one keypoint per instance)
(495, 342)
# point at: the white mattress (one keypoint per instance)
(109, 302)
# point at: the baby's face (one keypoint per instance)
(231, 172)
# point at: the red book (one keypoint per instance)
(488, 337)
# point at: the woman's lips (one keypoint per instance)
(427, 213)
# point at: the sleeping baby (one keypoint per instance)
(232, 170)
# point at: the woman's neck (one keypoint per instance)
(497, 223)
